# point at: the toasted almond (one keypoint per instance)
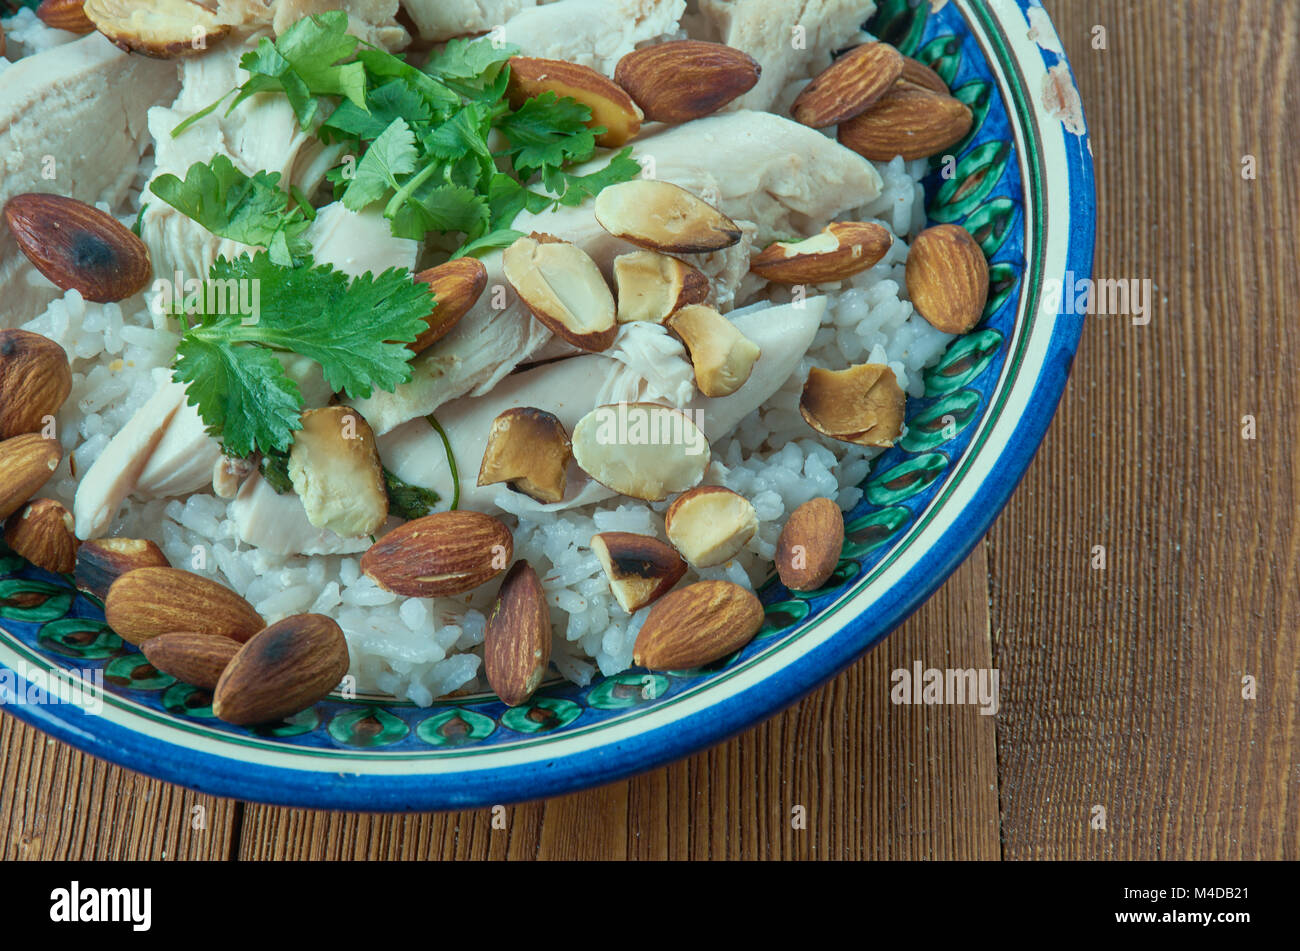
(661, 216)
(282, 670)
(228, 475)
(910, 121)
(709, 525)
(35, 379)
(78, 247)
(564, 289)
(722, 356)
(840, 250)
(440, 555)
(863, 404)
(101, 561)
(42, 532)
(697, 625)
(686, 79)
(26, 463)
(528, 449)
(65, 15)
(918, 74)
(948, 278)
(640, 569)
(517, 641)
(654, 286)
(849, 86)
(194, 658)
(334, 467)
(160, 28)
(147, 602)
(457, 286)
(810, 545)
(641, 450)
(611, 107)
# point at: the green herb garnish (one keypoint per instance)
(451, 463)
(408, 501)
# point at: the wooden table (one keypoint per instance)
(1121, 688)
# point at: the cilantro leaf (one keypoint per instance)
(474, 68)
(567, 189)
(390, 155)
(275, 470)
(547, 131)
(392, 100)
(489, 242)
(437, 207)
(380, 64)
(408, 501)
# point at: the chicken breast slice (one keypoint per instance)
(277, 523)
(595, 33)
(440, 20)
(359, 241)
(373, 21)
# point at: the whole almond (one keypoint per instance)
(78, 247)
(194, 658)
(686, 79)
(282, 671)
(457, 285)
(35, 379)
(147, 602)
(948, 278)
(101, 561)
(42, 532)
(810, 545)
(697, 625)
(65, 15)
(849, 87)
(26, 463)
(910, 121)
(611, 107)
(839, 251)
(917, 73)
(440, 555)
(517, 642)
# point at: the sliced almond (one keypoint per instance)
(457, 285)
(528, 449)
(849, 86)
(640, 569)
(160, 28)
(281, 671)
(709, 525)
(918, 74)
(810, 545)
(440, 555)
(863, 405)
(42, 532)
(198, 659)
(683, 80)
(723, 357)
(611, 107)
(335, 469)
(653, 286)
(697, 625)
(564, 289)
(910, 121)
(101, 561)
(65, 15)
(147, 602)
(229, 474)
(35, 379)
(641, 450)
(26, 463)
(661, 216)
(840, 250)
(948, 278)
(517, 641)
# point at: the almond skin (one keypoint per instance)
(101, 561)
(440, 555)
(611, 107)
(810, 545)
(457, 285)
(78, 247)
(910, 121)
(918, 74)
(197, 659)
(517, 641)
(686, 79)
(849, 87)
(640, 569)
(282, 670)
(26, 464)
(948, 278)
(697, 625)
(35, 379)
(147, 602)
(42, 532)
(65, 15)
(841, 250)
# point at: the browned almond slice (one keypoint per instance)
(863, 404)
(517, 641)
(42, 532)
(440, 555)
(282, 670)
(641, 450)
(194, 658)
(35, 379)
(917, 73)
(611, 107)
(948, 278)
(849, 86)
(653, 286)
(564, 289)
(810, 545)
(722, 356)
(709, 525)
(457, 286)
(910, 121)
(528, 449)
(26, 464)
(65, 15)
(661, 216)
(697, 625)
(640, 569)
(335, 469)
(78, 247)
(842, 249)
(101, 561)
(147, 602)
(160, 28)
(686, 79)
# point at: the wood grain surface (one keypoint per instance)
(1121, 687)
